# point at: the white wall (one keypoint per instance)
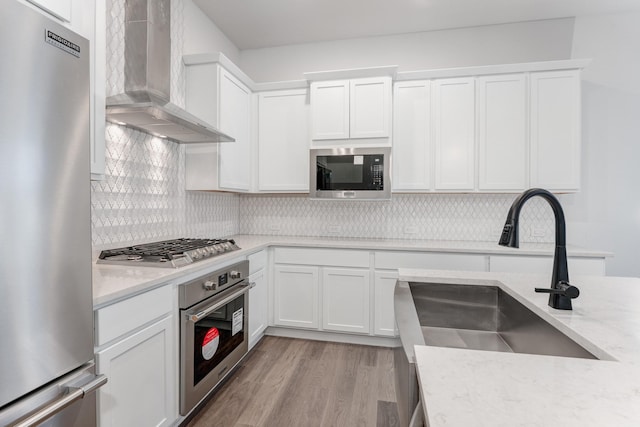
(201, 35)
(606, 213)
(494, 44)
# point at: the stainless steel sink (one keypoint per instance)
(486, 318)
(466, 316)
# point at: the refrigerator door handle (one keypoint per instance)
(73, 394)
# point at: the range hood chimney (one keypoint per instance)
(147, 73)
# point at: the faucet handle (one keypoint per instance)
(562, 288)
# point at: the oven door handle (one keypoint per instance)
(196, 317)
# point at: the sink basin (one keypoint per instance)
(474, 317)
(486, 318)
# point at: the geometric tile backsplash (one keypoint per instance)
(142, 197)
(466, 217)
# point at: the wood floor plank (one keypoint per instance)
(284, 360)
(364, 409)
(291, 382)
(387, 415)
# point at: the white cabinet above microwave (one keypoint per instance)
(351, 109)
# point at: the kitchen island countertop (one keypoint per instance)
(115, 282)
(462, 387)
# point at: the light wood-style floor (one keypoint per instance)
(287, 382)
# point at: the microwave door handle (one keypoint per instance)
(196, 317)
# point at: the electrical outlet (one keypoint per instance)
(410, 230)
(334, 228)
(538, 232)
(274, 228)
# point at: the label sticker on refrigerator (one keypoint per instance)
(62, 43)
(237, 321)
(358, 160)
(210, 343)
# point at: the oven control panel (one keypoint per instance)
(210, 284)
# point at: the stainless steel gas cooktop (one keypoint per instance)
(168, 253)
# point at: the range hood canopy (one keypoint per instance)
(147, 71)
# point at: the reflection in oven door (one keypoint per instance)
(216, 336)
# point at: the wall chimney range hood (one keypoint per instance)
(145, 103)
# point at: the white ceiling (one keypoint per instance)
(263, 23)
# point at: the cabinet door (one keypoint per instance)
(141, 390)
(370, 107)
(502, 132)
(555, 130)
(411, 139)
(544, 265)
(296, 296)
(385, 320)
(283, 141)
(257, 307)
(235, 106)
(345, 300)
(330, 110)
(454, 133)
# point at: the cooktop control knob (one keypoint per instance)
(209, 285)
(235, 274)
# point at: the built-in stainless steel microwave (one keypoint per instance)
(350, 173)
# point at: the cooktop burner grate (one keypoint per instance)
(169, 253)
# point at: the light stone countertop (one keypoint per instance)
(112, 283)
(483, 388)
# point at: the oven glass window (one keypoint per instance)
(216, 336)
(350, 172)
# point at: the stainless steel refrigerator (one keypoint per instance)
(46, 313)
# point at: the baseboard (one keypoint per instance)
(332, 336)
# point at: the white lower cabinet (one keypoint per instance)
(393, 260)
(544, 264)
(296, 296)
(141, 388)
(345, 300)
(258, 316)
(385, 321)
(137, 345)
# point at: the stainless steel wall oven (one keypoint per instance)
(213, 330)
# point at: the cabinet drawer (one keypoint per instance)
(321, 257)
(430, 260)
(125, 316)
(544, 265)
(257, 261)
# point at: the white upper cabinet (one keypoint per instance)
(370, 107)
(330, 110)
(555, 130)
(235, 107)
(412, 159)
(502, 132)
(491, 133)
(283, 141)
(222, 100)
(454, 133)
(351, 109)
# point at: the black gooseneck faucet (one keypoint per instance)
(561, 292)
